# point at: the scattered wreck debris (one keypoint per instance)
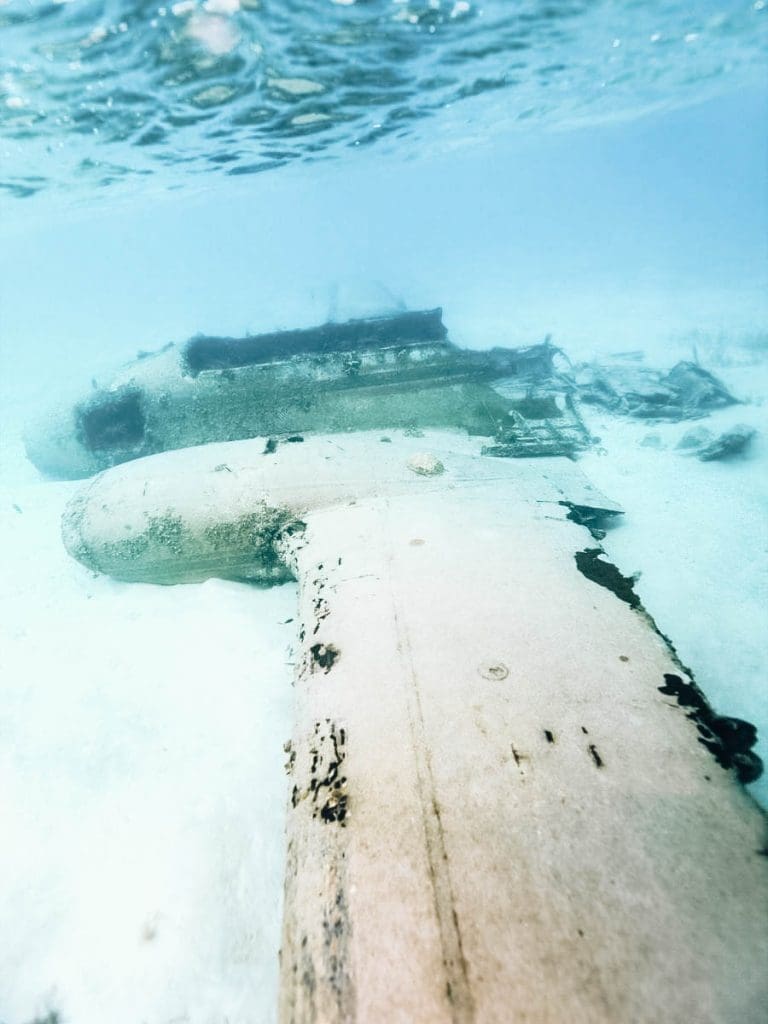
(694, 438)
(686, 392)
(594, 519)
(732, 442)
(398, 371)
(698, 390)
(653, 440)
(704, 445)
(389, 372)
(542, 423)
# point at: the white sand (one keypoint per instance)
(142, 786)
(141, 732)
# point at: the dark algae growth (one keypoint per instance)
(327, 787)
(605, 574)
(729, 740)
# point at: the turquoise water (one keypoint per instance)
(97, 95)
(593, 171)
(590, 170)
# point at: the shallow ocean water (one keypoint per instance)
(593, 171)
(97, 95)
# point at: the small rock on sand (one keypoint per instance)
(426, 464)
(732, 442)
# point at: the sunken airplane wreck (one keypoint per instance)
(387, 372)
(506, 790)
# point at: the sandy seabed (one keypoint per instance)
(142, 794)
